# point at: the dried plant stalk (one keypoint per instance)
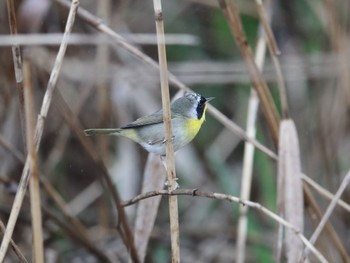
(268, 106)
(329, 211)
(170, 163)
(248, 157)
(34, 185)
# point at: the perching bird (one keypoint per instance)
(187, 116)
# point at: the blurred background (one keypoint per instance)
(102, 85)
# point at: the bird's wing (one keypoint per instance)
(154, 118)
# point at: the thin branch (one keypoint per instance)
(328, 212)
(230, 198)
(325, 193)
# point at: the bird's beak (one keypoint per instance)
(209, 99)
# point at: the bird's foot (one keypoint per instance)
(177, 186)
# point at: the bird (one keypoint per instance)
(187, 117)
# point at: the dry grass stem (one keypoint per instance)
(248, 158)
(329, 211)
(316, 215)
(268, 106)
(170, 162)
(38, 133)
(34, 185)
(274, 51)
(325, 193)
(230, 198)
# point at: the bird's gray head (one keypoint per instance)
(191, 105)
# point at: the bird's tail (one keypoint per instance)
(94, 132)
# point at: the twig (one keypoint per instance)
(35, 202)
(230, 198)
(170, 163)
(328, 212)
(38, 133)
(316, 215)
(324, 192)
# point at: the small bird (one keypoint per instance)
(187, 116)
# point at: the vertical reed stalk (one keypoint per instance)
(34, 185)
(170, 164)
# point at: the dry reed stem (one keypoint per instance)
(267, 104)
(34, 185)
(328, 212)
(316, 215)
(325, 193)
(274, 52)
(170, 162)
(290, 190)
(14, 247)
(234, 199)
(17, 62)
(230, 125)
(248, 157)
(38, 133)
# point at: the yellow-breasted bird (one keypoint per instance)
(187, 116)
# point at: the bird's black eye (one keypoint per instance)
(200, 107)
